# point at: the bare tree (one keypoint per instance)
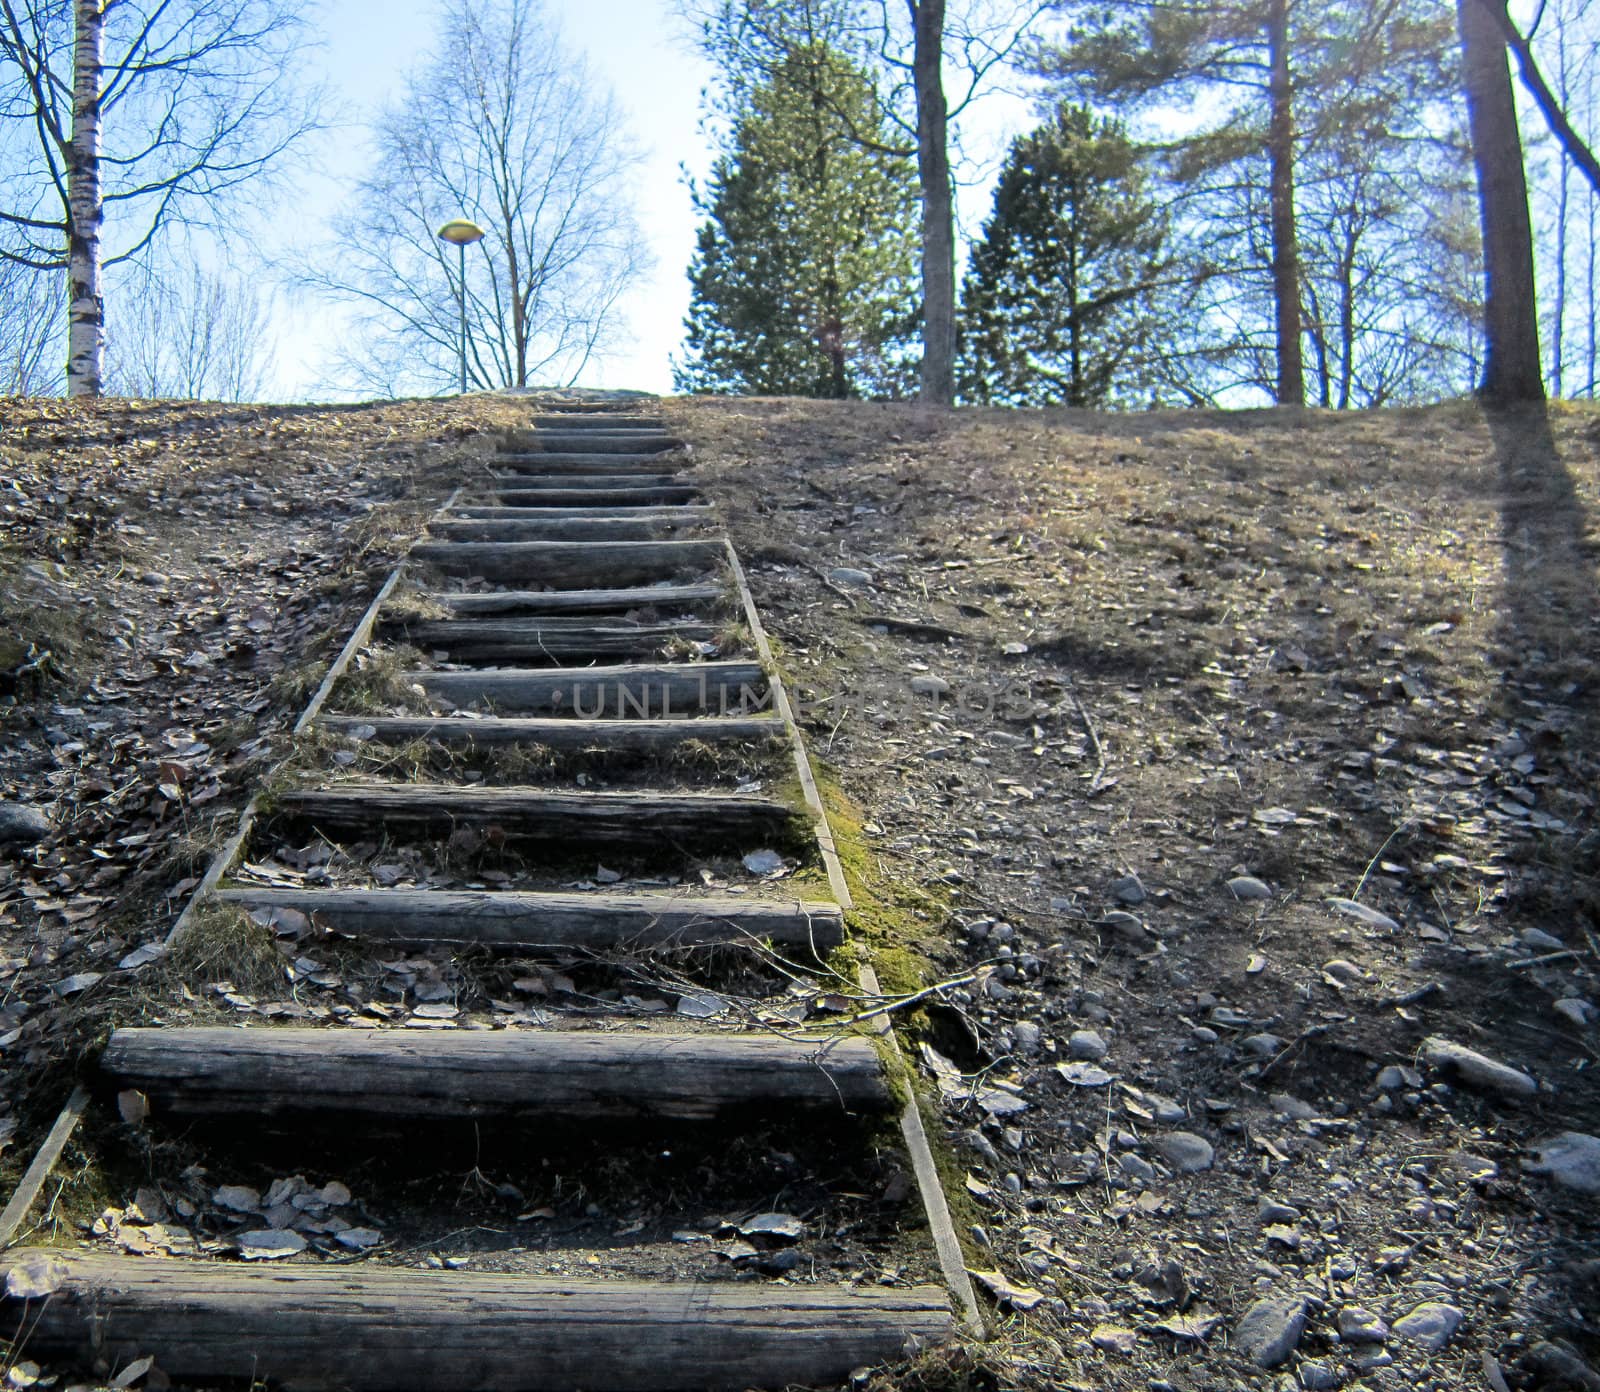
(191, 336)
(30, 323)
(504, 127)
(123, 117)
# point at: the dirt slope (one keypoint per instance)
(1073, 674)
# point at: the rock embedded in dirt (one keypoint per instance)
(1271, 1211)
(1575, 1010)
(1393, 1077)
(1087, 1045)
(926, 685)
(1432, 1325)
(1571, 1160)
(22, 824)
(1271, 1330)
(1477, 1070)
(1261, 1046)
(1185, 1152)
(1373, 918)
(1318, 1377)
(1541, 941)
(849, 575)
(1358, 1325)
(1127, 890)
(1246, 887)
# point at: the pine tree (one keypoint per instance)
(1059, 301)
(803, 279)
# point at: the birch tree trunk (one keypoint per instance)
(86, 306)
(1291, 388)
(938, 214)
(1511, 369)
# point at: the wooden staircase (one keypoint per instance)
(547, 595)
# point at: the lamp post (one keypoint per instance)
(462, 234)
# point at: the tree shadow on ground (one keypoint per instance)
(1549, 629)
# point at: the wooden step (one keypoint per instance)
(582, 820)
(621, 513)
(579, 601)
(596, 495)
(614, 483)
(599, 736)
(340, 1328)
(646, 690)
(580, 461)
(571, 563)
(601, 528)
(595, 440)
(525, 922)
(449, 1074)
(563, 420)
(543, 639)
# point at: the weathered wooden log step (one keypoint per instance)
(617, 483)
(579, 601)
(562, 420)
(594, 439)
(543, 639)
(525, 922)
(580, 463)
(643, 690)
(590, 495)
(338, 1328)
(563, 528)
(587, 819)
(570, 563)
(602, 736)
(442, 1075)
(621, 513)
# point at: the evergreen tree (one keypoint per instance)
(1059, 301)
(803, 279)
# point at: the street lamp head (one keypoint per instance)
(460, 232)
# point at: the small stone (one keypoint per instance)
(1271, 1211)
(1248, 887)
(763, 862)
(849, 575)
(1432, 1325)
(1318, 1377)
(1261, 1046)
(1342, 970)
(930, 686)
(1204, 1034)
(22, 825)
(1477, 1070)
(1271, 1330)
(1362, 914)
(1361, 1326)
(1393, 1077)
(1541, 941)
(270, 1244)
(1113, 1338)
(701, 1005)
(1127, 890)
(1185, 1152)
(1574, 1010)
(1086, 1044)
(1571, 1159)
(1292, 1107)
(1135, 1166)
(1028, 1036)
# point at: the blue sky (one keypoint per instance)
(640, 50)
